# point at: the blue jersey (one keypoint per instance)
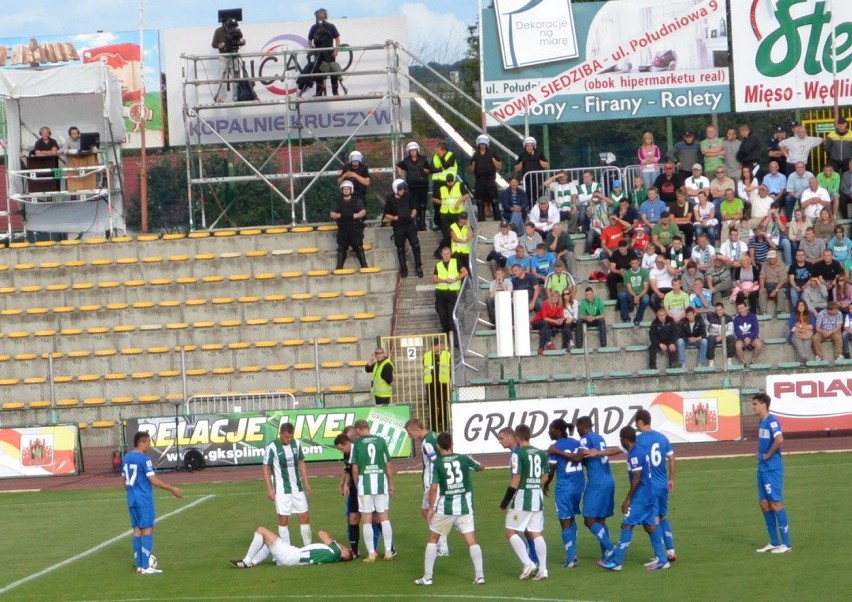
(639, 461)
(569, 475)
(136, 468)
(768, 429)
(598, 469)
(658, 448)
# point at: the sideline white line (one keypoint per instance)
(350, 596)
(96, 548)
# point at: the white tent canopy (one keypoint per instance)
(87, 96)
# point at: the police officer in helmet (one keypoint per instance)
(349, 213)
(401, 211)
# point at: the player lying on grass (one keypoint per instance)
(266, 543)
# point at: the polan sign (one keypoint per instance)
(786, 54)
(811, 402)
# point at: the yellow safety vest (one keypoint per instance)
(449, 199)
(440, 164)
(380, 387)
(451, 270)
(461, 232)
(444, 360)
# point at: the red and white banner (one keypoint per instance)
(818, 401)
(41, 451)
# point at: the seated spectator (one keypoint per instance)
(704, 216)
(519, 258)
(660, 280)
(628, 215)
(616, 195)
(500, 283)
(776, 182)
(542, 262)
(760, 207)
(843, 293)
(572, 336)
(505, 243)
(815, 295)
(617, 264)
(690, 275)
(797, 228)
(597, 214)
(720, 184)
(667, 183)
(797, 183)
(543, 216)
(649, 257)
(830, 180)
(547, 321)
(678, 255)
(681, 213)
(829, 326)
(798, 276)
(775, 226)
(592, 315)
(559, 280)
(802, 324)
(814, 199)
(692, 334)
(759, 246)
(663, 232)
(747, 333)
(746, 284)
(635, 292)
(651, 210)
(731, 211)
(639, 240)
(696, 183)
(582, 197)
(676, 301)
(530, 238)
(524, 281)
(827, 270)
(847, 334)
(733, 249)
(720, 329)
(701, 299)
(747, 186)
(611, 236)
(662, 337)
(773, 279)
(840, 245)
(719, 279)
(703, 252)
(812, 246)
(515, 205)
(824, 226)
(560, 243)
(562, 193)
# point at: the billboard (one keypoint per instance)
(819, 401)
(120, 51)
(260, 122)
(684, 417)
(39, 451)
(239, 439)
(554, 62)
(786, 53)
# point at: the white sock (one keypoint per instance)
(261, 555)
(541, 551)
(476, 557)
(387, 536)
(306, 533)
(442, 544)
(520, 546)
(284, 534)
(254, 548)
(367, 529)
(429, 560)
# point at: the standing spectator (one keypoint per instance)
(349, 213)
(660, 280)
(827, 270)
(583, 197)
(505, 243)
(720, 331)
(798, 147)
(500, 283)
(667, 184)
(381, 367)
(815, 294)
(747, 333)
(746, 283)
(531, 159)
(840, 245)
(651, 210)
(731, 145)
(750, 151)
(544, 216)
(443, 164)
(676, 301)
(797, 182)
(649, 159)
(592, 315)
(515, 205)
(713, 151)
(812, 246)
(324, 35)
(639, 193)
(662, 335)
(685, 152)
(448, 278)
(692, 334)
(635, 292)
(802, 324)
(773, 277)
(451, 197)
(798, 276)
(560, 243)
(829, 324)
(847, 335)
(573, 333)
(719, 279)
(838, 145)
(562, 194)
(357, 172)
(524, 281)
(776, 153)
(618, 263)
(485, 165)
(401, 212)
(414, 169)
(681, 212)
(548, 319)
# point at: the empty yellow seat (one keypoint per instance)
(265, 276)
(340, 389)
(152, 259)
(328, 295)
(239, 345)
(343, 271)
(307, 250)
(354, 293)
(250, 369)
(45, 243)
(195, 302)
(39, 405)
(173, 236)
(248, 299)
(257, 322)
(7, 290)
(309, 390)
(174, 397)
(275, 298)
(215, 278)
(316, 273)
(222, 300)
(301, 296)
(291, 274)
(149, 399)
(169, 303)
(94, 401)
(94, 241)
(331, 365)
(310, 319)
(121, 400)
(134, 283)
(259, 253)
(186, 280)
(132, 351)
(13, 405)
(141, 375)
(277, 367)
(212, 346)
(239, 277)
(117, 306)
(67, 403)
(32, 289)
(106, 352)
(293, 342)
(225, 370)
(35, 380)
(196, 372)
(21, 334)
(203, 324)
(13, 312)
(364, 316)
(276, 230)
(101, 262)
(93, 307)
(337, 317)
(161, 281)
(303, 366)
(23, 266)
(251, 232)
(8, 382)
(327, 228)
(115, 376)
(168, 373)
(224, 233)
(142, 304)
(346, 340)
(266, 344)
(370, 270)
(49, 332)
(127, 260)
(88, 378)
(357, 363)
(124, 328)
(82, 286)
(230, 323)
(70, 331)
(24, 357)
(177, 325)
(159, 349)
(283, 320)
(120, 239)
(103, 424)
(204, 256)
(178, 257)
(198, 235)
(55, 288)
(97, 330)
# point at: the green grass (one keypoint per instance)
(713, 511)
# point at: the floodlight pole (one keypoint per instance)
(143, 168)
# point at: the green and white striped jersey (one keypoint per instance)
(455, 488)
(370, 455)
(319, 553)
(531, 464)
(429, 451)
(284, 462)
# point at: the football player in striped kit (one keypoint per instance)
(287, 483)
(428, 453)
(372, 472)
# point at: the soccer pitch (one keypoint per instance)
(713, 511)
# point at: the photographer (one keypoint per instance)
(324, 35)
(227, 39)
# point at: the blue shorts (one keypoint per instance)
(599, 502)
(141, 517)
(662, 495)
(567, 503)
(770, 485)
(642, 513)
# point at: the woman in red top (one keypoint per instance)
(549, 318)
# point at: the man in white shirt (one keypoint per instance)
(543, 216)
(660, 278)
(702, 253)
(505, 243)
(797, 182)
(562, 192)
(798, 147)
(733, 249)
(814, 199)
(760, 206)
(696, 182)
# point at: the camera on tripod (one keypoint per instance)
(230, 20)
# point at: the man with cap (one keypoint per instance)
(543, 216)
(686, 152)
(515, 205)
(349, 213)
(461, 235)
(451, 197)
(356, 172)
(798, 147)
(838, 145)
(697, 181)
(505, 243)
(531, 159)
(401, 212)
(484, 165)
(667, 183)
(414, 169)
(776, 153)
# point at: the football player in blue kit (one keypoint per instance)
(659, 449)
(566, 462)
(639, 506)
(599, 496)
(770, 477)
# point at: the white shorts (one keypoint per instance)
(284, 555)
(379, 502)
(424, 505)
(291, 503)
(442, 524)
(523, 520)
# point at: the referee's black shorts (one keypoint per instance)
(352, 500)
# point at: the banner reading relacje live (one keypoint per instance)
(684, 417)
(783, 55)
(561, 62)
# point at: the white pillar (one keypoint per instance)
(503, 323)
(522, 322)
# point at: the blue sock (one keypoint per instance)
(601, 533)
(783, 525)
(137, 550)
(771, 526)
(377, 533)
(623, 544)
(657, 544)
(668, 536)
(147, 546)
(569, 542)
(531, 551)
